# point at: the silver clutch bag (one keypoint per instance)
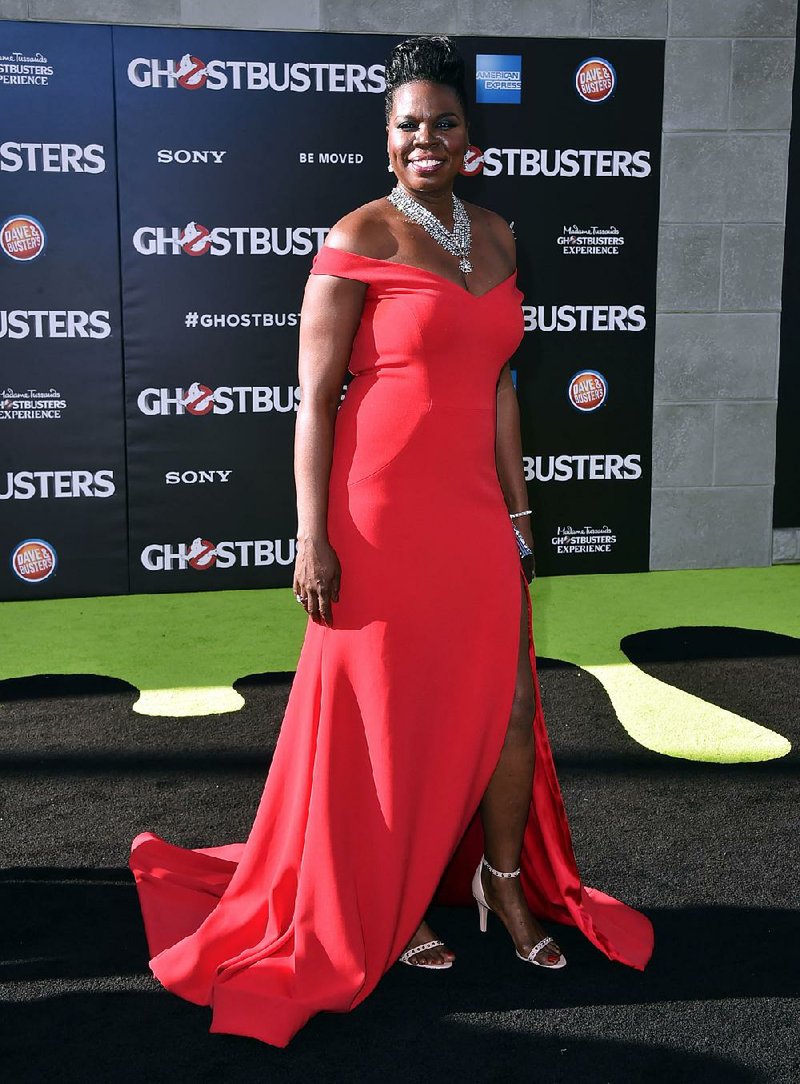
(522, 545)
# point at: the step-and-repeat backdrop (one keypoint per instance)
(162, 195)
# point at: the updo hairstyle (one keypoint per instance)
(432, 59)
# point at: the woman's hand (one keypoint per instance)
(317, 575)
(528, 567)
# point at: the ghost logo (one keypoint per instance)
(202, 554)
(195, 239)
(191, 72)
(199, 399)
(473, 162)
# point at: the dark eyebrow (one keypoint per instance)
(410, 116)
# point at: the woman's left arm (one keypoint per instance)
(508, 458)
(508, 441)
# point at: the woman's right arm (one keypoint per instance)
(329, 319)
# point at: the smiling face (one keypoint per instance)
(426, 137)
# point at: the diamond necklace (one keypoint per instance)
(458, 243)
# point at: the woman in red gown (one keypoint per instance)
(413, 741)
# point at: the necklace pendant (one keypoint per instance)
(465, 265)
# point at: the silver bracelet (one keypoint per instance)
(527, 512)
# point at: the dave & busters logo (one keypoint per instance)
(192, 73)
(588, 390)
(595, 79)
(22, 238)
(34, 560)
(200, 400)
(201, 554)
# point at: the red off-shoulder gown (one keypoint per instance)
(397, 713)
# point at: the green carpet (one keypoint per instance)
(185, 651)
(583, 619)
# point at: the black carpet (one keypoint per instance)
(708, 851)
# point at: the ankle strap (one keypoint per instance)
(497, 872)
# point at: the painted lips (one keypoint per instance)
(425, 166)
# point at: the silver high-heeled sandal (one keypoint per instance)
(484, 909)
(406, 957)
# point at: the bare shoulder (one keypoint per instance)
(364, 231)
(495, 229)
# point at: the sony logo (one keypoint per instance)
(187, 157)
(192, 477)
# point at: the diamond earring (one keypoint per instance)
(389, 167)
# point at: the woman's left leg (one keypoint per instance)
(505, 807)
